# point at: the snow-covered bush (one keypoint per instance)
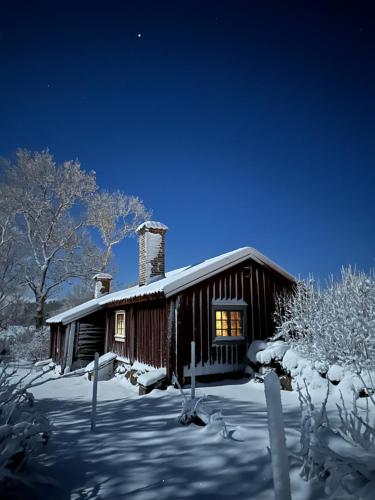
(331, 455)
(355, 425)
(22, 429)
(335, 325)
(28, 344)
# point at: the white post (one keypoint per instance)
(94, 392)
(279, 453)
(192, 370)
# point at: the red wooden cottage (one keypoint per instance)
(223, 304)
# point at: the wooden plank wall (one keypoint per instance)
(146, 333)
(247, 281)
(57, 346)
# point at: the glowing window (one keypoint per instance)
(228, 323)
(120, 325)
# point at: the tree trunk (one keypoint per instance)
(40, 311)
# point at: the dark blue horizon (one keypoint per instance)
(239, 123)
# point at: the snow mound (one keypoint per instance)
(255, 347)
(321, 366)
(141, 367)
(291, 360)
(335, 373)
(43, 362)
(274, 351)
(302, 371)
(150, 378)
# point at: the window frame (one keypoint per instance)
(120, 338)
(240, 306)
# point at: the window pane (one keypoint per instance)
(228, 323)
(120, 325)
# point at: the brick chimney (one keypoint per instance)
(151, 251)
(102, 284)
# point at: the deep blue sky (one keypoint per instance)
(239, 123)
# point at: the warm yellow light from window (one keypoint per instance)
(228, 323)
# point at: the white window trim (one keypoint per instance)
(120, 338)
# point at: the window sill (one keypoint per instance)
(119, 339)
(229, 340)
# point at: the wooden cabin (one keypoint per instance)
(223, 304)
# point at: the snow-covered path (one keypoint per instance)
(140, 452)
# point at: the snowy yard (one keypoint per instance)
(140, 451)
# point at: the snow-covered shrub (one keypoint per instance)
(331, 455)
(335, 325)
(22, 429)
(303, 371)
(29, 344)
(273, 351)
(355, 425)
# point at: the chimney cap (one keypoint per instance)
(102, 276)
(151, 224)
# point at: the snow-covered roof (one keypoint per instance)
(173, 283)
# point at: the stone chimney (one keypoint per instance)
(102, 284)
(151, 251)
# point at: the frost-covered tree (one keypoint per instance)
(53, 210)
(116, 216)
(48, 201)
(335, 325)
(10, 254)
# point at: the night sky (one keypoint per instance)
(239, 123)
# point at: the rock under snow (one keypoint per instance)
(255, 347)
(335, 373)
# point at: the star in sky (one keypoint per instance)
(139, 35)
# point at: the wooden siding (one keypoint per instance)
(57, 348)
(247, 281)
(145, 333)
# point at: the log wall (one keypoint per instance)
(90, 338)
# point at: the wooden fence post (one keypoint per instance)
(94, 392)
(279, 452)
(192, 370)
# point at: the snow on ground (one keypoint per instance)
(140, 452)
